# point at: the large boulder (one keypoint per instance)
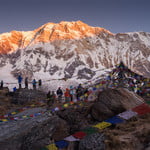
(93, 142)
(75, 118)
(31, 133)
(111, 102)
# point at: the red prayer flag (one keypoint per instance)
(79, 135)
(31, 115)
(142, 109)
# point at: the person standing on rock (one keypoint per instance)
(26, 82)
(34, 84)
(19, 81)
(1, 84)
(51, 98)
(72, 93)
(67, 95)
(79, 91)
(40, 83)
(59, 93)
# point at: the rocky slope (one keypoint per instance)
(71, 50)
(35, 132)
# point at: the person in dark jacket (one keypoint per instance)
(59, 93)
(51, 98)
(40, 83)
(34, 84)
(20, 81)
(1, 84)
(79, 91)
(26, 82)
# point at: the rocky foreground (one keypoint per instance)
(35, 132)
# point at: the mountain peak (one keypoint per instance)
(47, 33)
(67, 30)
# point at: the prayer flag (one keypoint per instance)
(127, 114)
(142, 109)
(102, 125)
(114, 120)
(51, 147)
(79, 135)
(71, 138)
(61, 144)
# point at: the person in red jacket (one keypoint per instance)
(67, 95)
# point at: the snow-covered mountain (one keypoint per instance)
(71, 50)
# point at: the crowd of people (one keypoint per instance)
(26, 82)
(68, 95)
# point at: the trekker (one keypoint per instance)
(67, 95)
(48, 94)
(40, 83)
(14, 89)
(86, 93)
(26, 82)
(72, 93)
(34, 84)
(79, 91)
(51, 97)
(19, 81)
(1, 84)
(59, 94)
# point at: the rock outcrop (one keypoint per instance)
(32, 133)
(93, 142)
(25, 96)
(75, 118)
(111, 102)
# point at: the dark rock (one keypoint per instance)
(70, 69)
(92, 142)
(75, 118)
(111, 102)
(100, 112)
(86, 73)
(33, 132)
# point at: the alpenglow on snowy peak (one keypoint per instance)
(71, 50)
(49, 32)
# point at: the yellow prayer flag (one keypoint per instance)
(66, 105)
(102, 125)
(52, 147)
(97, 86)
(4, 120)
(13, 113)
(24, 116)
(85, 94)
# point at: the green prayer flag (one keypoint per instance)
(90, 130)
(148, 102)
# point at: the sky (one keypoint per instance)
(117, 16)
